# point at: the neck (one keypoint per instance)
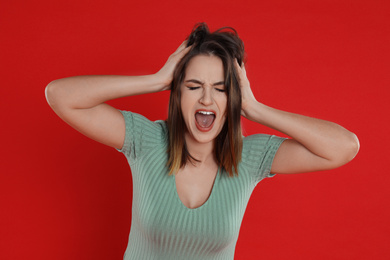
(203, 152)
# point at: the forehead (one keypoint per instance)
(205, 68)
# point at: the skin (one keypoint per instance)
(202, 89)
(315, 144)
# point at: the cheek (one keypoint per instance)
(185, 108)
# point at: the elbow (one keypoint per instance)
(349, 150)
(51, 93)
(354, 146)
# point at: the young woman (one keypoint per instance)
(194, 173)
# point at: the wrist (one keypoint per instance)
(158, 83)
(249, 107)
(254, 110)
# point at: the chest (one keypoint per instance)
(159, 211)
(195, 187)
(156, 193)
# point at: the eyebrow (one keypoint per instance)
(201, 83)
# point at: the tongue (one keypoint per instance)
(204, 120)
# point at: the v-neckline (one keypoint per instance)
(217, 176)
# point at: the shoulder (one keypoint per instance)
(137, 123)
(142, 135)
(256, 146)
(261, 142)
(258, 152)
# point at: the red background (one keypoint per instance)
(63, 196)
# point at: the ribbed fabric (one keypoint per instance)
(161, 226)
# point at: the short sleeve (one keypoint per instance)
(258, 154)
(141, 135)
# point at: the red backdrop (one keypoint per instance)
(63, 196)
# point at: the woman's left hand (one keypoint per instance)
(247, 97)
(315, 144)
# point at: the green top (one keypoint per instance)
(161, 226)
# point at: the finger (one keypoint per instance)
(237, 65)
(186, 49)
(181, 47)
(243, 69)
(183, 52)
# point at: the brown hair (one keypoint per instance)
(225, 44)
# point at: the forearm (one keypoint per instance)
(89, 91)
(323, 138)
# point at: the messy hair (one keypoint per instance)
(225, 44)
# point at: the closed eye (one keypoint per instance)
(192, 88)
(220, 89)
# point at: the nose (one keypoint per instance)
(206, 98)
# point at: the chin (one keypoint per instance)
(204, 140)
(203, 137)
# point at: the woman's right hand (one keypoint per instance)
(80, 101)
(165, 74)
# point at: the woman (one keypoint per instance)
(194, 173)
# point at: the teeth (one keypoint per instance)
(205, 112)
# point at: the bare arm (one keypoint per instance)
(315, 145)
(79, 101)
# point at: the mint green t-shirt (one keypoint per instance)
(161, 226)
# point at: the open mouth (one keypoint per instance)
(204, 119)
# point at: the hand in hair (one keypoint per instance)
(315, 144)
(246, 91)
(165, 74)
